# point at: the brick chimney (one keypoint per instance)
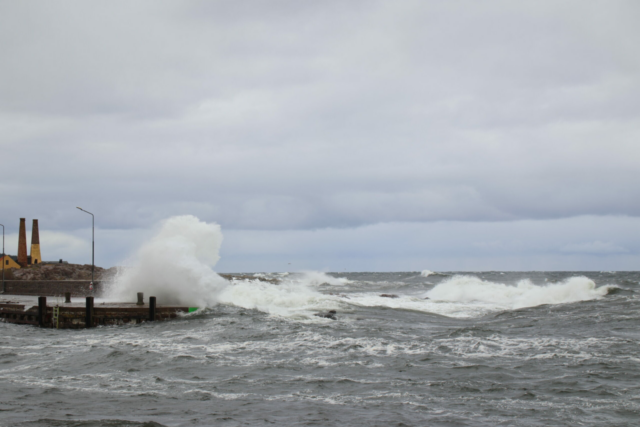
(22, 244)
(36, 258)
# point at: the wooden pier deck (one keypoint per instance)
(86, 314)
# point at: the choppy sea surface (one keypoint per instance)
(452, 349)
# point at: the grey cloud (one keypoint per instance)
(440, 246)
(302, 115)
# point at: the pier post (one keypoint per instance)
(42, 310)
(140, 298)
(89, 313)
(152, 309)
(67, 297)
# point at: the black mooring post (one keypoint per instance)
(88, 321)
(42, 310)
(152, 309)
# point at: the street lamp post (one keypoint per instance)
(3, 260)
(92, 243)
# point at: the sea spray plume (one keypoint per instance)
(468, 289)
(175, 265)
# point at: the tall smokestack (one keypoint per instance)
(36, 258)
(22, 244)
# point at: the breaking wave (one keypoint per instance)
(317, 278)
(290, 298)
(427, 273)
(469, 296)
(471, 289)
(176, 266)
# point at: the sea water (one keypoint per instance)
(441, 349)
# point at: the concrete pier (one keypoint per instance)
(77, 315)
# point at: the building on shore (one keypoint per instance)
(9, 261)
(22, 259)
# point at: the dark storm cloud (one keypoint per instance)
(299, 115)
(569, 244)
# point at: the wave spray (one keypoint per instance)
(175, 265)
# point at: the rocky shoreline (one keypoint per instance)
(83, 272)
(59, 272)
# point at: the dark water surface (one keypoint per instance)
(475, 354)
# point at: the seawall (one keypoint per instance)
(74, 315)
(51, 288)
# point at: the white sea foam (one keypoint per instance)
(471, 289)
(426, 273)
(296, 295)
(470, 296)
(175, 266)
(414, 303)
(288, 299)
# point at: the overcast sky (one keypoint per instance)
(331, 135)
